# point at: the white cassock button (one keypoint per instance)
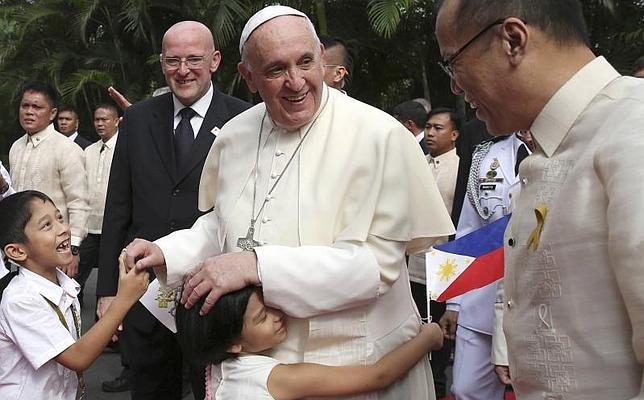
(269, 197)
(274, 175)
(510, 304)
(265, 220)
(279, 153)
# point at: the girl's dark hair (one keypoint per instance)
(15, 213)
(205, 339)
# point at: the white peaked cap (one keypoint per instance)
(264, 15)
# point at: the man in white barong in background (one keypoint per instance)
(318, 190)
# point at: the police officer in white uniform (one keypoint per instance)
(492, 176)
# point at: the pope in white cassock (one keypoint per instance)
(323, 187)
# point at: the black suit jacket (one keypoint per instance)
(148, 197)
(82, 142)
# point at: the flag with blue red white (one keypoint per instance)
(467, 263)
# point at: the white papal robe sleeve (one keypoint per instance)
(185, 249)
(311, 280)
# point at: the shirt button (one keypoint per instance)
(279, 153)
(524, 181)
(268, 197)
(511, 242)
(274, 175)
(510, 304)
(265, 220)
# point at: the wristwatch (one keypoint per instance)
(75, 250)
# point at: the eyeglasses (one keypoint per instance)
(447, 65)
(192, 62)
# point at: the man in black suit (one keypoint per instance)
(67, 121)
(153, 190)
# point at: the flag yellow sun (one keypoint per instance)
(447, 270)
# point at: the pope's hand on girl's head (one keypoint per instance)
(217, 276)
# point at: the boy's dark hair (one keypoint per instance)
(205, 339)
(51, 95)
(15, 212)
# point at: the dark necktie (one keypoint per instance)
(522, 152)
(184, 136)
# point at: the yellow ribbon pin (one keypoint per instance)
(540, 212)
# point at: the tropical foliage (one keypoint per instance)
(83, 46)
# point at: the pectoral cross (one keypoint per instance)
(248, 243)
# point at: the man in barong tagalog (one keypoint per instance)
(312, 195)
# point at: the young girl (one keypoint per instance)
(239, 327)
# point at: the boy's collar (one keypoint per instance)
(50, 290)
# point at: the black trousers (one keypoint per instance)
(440, 358)
(88, 252)
(155, 360)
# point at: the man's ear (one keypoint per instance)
(52, 114)
(235, 348)
(455, 134)
(16, 252)
(340, 72)
(215, 61)
(409, 124)
(247, 74)
(515, 35)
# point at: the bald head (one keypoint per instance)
(188, 60)
(192, 30)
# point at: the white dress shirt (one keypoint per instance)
(31, 336)
(200, 107)
(49, 162)
(98, 162)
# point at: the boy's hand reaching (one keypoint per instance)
(132, 283)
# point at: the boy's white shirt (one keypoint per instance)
(31, 336)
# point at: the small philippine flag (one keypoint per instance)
(470, 262)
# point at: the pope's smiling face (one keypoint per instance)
(283, 62)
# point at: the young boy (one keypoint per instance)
(42, 353)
